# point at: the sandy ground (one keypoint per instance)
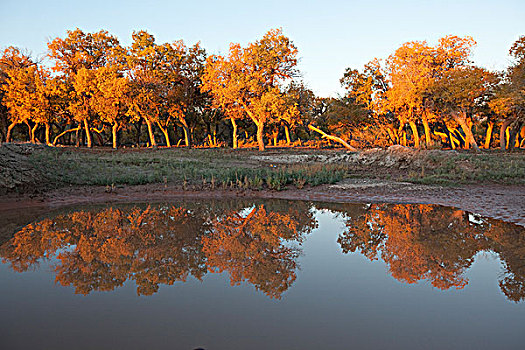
(504, 202)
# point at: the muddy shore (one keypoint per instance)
(503, 202)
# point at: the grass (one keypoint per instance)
(239, 169)
(462, 168)
(194, 168)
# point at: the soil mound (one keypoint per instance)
(17, 174)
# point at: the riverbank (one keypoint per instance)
(488, 183)
(503, 202)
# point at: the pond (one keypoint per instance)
(254, 274)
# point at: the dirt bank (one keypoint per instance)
(33, 176)
(504, 202)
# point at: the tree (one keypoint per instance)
(252, 78)
(413, 68)
(110, 99)
(143, 62)
(462, 92)
(11, 60)
(509, 101)
(75, 57)
(183, 69)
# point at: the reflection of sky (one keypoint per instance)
(331, 35)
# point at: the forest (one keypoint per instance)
(89, 90)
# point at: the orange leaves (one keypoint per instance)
(250, 80)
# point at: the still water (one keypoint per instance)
(260, 275)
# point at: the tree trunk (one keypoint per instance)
(187, 138)
(452, 139)
(469, 137)
(88, 133)
(391, 134)
(63, 133)
(502, 130)
(33, 130)
(150, 133)
(28, 130)
(166, 134)
(514, 130)
(114, 129)
(287, 134)
(139, 128)
(414, 133)
(99, 137)
(331, 137)
(9, 130)
(48, 142)
(235, 141)
(77, 136)
(260, 136)
(428, 139)
(488, 136)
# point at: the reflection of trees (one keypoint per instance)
(101, 249)
(252, 247)
(434, 243)
(509, 242)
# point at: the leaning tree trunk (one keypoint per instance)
(451, 138)
(469, 141)
(9, 130)
(488, 136)
(502, 130)
(414, 133)
(88, 134)
(331, 137)
(260, 136)
(392, 135)
(166, 134)
(153, 143)
(235, 140)
(33, 130)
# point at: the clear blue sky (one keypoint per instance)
(330, 35)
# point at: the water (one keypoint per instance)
(260, 275)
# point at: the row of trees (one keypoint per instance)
(438, 88)
(97, 90)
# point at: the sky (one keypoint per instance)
(331, 35)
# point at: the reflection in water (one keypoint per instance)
(437, 244)
(100, 249)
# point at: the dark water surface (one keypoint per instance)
(255, 274)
